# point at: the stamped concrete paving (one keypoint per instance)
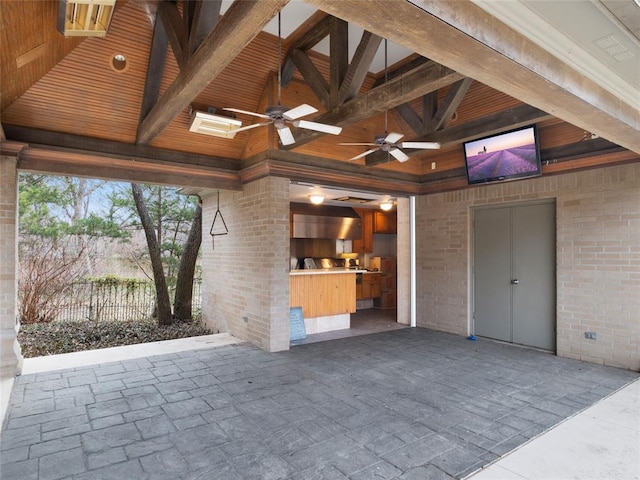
(407, 404)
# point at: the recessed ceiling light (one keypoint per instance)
(119, 62)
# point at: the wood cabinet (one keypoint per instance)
(321, 295)
(365, 243)
(371, 286)
(385, 222)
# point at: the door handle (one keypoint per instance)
(515, 281)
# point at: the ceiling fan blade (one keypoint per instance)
(427, 145)
(393, 137)
(399, 154)
(318, 127)
(286, 137)
(360, 144)
(237, 110)
(299, 111)
(364, 154)
(248, 127)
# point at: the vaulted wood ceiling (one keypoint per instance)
(64, 109)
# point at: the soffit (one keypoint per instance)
(599, 39)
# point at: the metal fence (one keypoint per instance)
(114, 301)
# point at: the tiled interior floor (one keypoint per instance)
(403, 404)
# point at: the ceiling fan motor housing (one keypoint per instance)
(276, 111)
(379, 140)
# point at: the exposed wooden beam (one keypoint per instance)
(155, 68)
(338, 58)
(309, 168)
(429, 110)
(498, 122)
(205, 18)
(314, 35)
(481, 47)
(80, 164)
(199, 19)
(411, 117)
(426, 78)
(579, 150)
(574, 157)
(240, 24)
(449, 104)
(400, 70)
(359, 66)
(312, 76)
(495, 123)
(175, 30)
(345, 79)
(316, 32)
(109, 148)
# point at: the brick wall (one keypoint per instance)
(245, 288)
(10, 357)
(598, 259)
(442, 261)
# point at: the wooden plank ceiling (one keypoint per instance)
(74, 112)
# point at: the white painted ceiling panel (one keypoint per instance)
(584, 34)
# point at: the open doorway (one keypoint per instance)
(370, 250)
(87, 277)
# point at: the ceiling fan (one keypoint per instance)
(280, 116)
(390, 142)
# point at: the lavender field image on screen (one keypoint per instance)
(508, 155)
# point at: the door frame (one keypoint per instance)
(471, 277)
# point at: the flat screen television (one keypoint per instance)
(506, 156)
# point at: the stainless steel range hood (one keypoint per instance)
(325, 221)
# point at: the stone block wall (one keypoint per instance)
(10, 357)
(245, 288)
(597, 254)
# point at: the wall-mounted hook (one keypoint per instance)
(212, 232)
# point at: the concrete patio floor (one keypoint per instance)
(403, 404)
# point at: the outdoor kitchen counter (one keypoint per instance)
(324, 271)
(327, 297)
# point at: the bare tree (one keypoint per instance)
(43, 282)
(57, 242)
(182, 303)
(162, 292)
